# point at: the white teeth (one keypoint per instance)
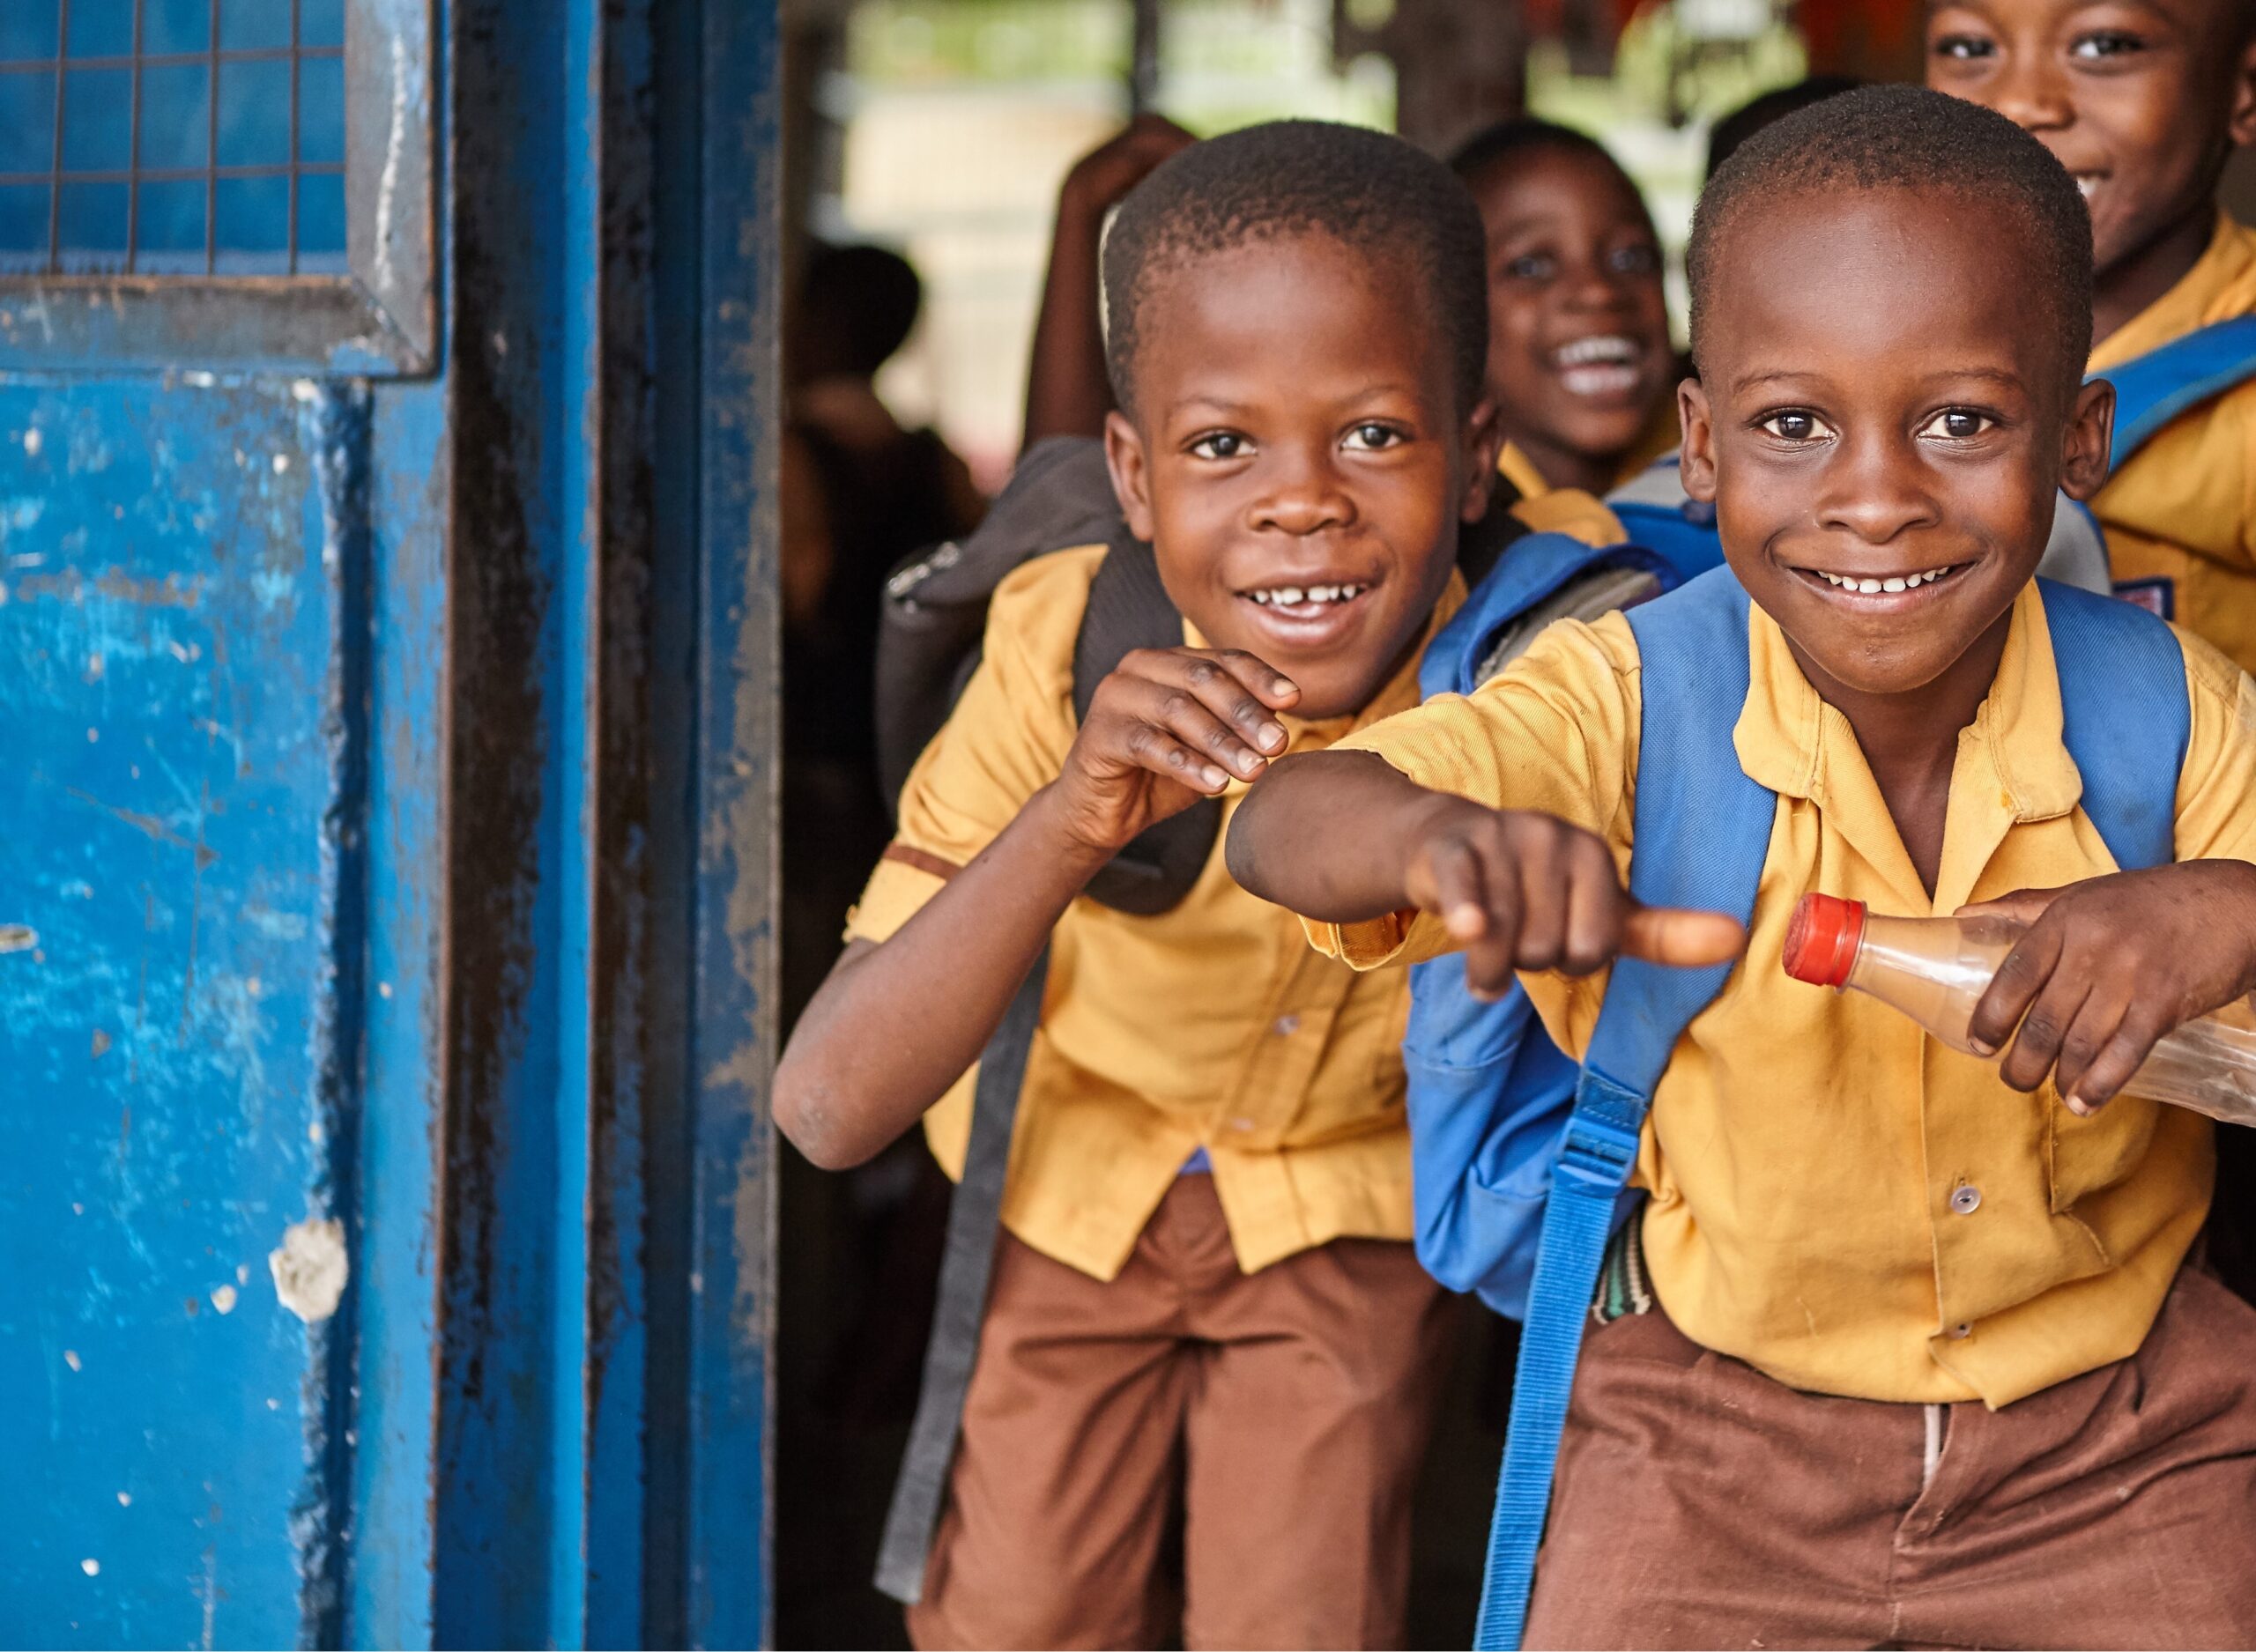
(1607, 347)
(1295, 596)
(1874, 586)
(2086, 185)
(1604, 381)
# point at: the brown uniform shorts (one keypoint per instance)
(1282, 1413)
(1701, 1504)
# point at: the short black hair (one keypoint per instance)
(1909, 138)
(1479, 154)
(858, 306)
(1750, 117)
(1373, 193)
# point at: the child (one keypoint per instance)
(1906, 1359)
(1580, 365)
(1204, 1302)
(2142, 105)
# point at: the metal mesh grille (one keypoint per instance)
(172, 136)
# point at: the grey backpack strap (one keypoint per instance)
(966, 1263)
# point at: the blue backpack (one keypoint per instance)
(1522, 1158)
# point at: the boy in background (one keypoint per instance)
(2143, 104)
(1903, 1357)
(1580, 365)
(1203, 1306)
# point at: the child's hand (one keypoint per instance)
(1529, 891)
(2110, 966)
(1100, 179)
(1167, 728)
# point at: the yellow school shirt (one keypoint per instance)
(1212, 1025)
(1804, 1146)
(2180, 515)
(1662, 434)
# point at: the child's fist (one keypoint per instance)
(1167, 728)
(1100, 179)
(1531, 891)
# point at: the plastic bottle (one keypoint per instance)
(1935, 970)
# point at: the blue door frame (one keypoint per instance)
(391, 698)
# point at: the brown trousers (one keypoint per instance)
(1282, 1413)
(1701, 1504)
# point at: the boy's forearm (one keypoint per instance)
(895, 1026)
(1326, 835)
(1067, 392)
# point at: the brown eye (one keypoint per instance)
(2105, 43)
(1958, 424)
(1220, 444)
(1964, 48)
(1794, 424)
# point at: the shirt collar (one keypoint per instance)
(1519, 470)
(2220, 285)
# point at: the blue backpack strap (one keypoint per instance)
(1655, 511)
(1533, 568)
(2125, 719)
(1702, 832)
(2157, 387)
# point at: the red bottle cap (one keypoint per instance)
(1822, 941)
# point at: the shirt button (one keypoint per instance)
(1240, 1125)
(1286, 1026)
(1966, 1198)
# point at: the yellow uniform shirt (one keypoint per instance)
(2181, 512)
(1209, 1026)
(1804, 1146)
(1662, 434)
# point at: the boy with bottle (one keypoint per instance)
(1897, 1354)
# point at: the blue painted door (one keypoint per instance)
(183, 798)
(385, 735)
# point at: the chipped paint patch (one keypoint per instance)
(17, 937)
(223, 1299)
(310, 1268)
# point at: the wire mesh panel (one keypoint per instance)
(172, 136)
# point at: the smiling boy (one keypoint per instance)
(1920, 1361)
(1579, 357)
(1203, 1301)
(2143, 101)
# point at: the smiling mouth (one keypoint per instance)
(1605, 364)
(1302, 602)
(1885, 585)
